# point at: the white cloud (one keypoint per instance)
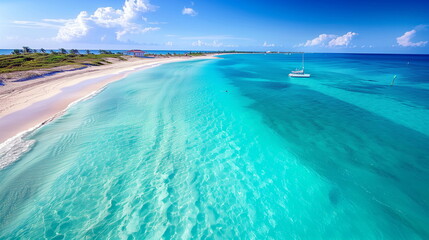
(123, 21)
(342, 40)
(75, 28)
(169, 44)
(189, 11)
(32, 24)
(215, 43)
(198, 43)
(329, 40)
(134, 30)
(405, 40)
(320, 40)
(56, 20)
(268, 44)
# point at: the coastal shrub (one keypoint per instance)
(98, 63)
(3, 64)
(17, 62)
(31, 61)
(56, 58)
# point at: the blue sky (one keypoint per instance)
(313, 26)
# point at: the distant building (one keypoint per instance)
(135, 53)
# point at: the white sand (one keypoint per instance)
(25, 105)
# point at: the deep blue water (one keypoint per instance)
(232, 148)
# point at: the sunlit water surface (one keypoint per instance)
(233, 149)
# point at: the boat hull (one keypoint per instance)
(299, 75)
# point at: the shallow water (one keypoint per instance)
(233, 149)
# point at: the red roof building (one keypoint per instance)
(135, 53)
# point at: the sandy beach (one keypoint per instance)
(28, 104)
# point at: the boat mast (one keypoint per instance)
(303, 66)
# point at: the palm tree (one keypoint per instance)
(105, 52)
(74, 51)
(88, 52)
(42, 50)
(34, 50)
(17, 51)
(63, 51)
(26, 50)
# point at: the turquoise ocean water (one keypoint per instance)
(233, 149)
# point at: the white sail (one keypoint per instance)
(300, 73)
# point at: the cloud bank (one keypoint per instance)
(122, 21)
(318, 40)
(329, 40)
(405, 39)
(342, 40)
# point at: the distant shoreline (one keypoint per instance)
(8, 51)
(28, 104)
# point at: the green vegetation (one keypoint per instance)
(31, 59)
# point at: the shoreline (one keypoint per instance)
(29, 105)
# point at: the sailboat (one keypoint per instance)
(300, 73)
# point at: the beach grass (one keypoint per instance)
(33, 61)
